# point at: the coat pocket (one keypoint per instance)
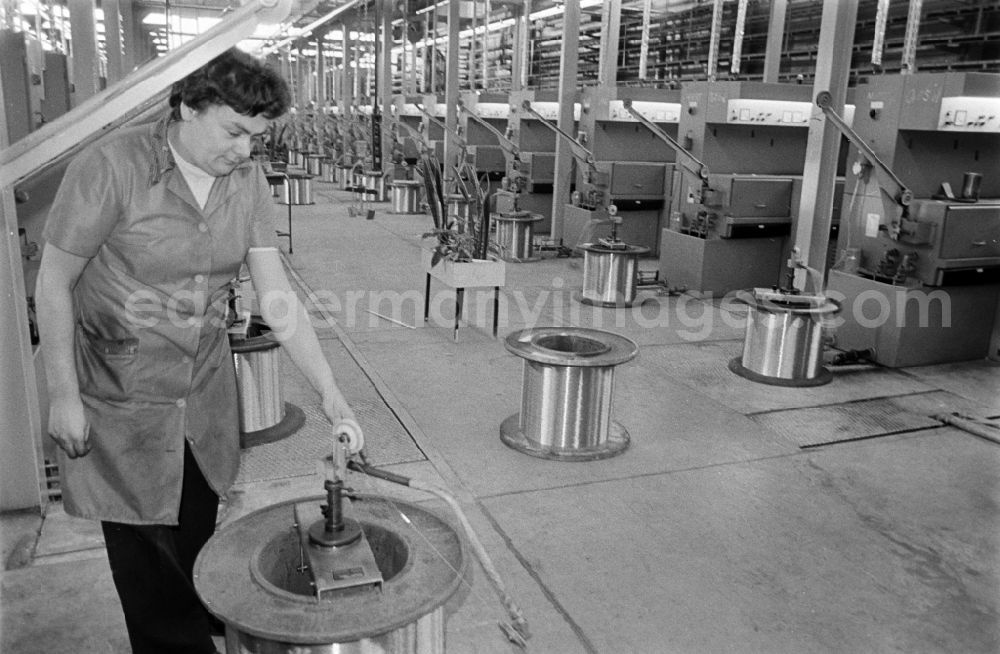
(106, 367)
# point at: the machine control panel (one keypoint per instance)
(783, 113)
(497, 110)
(550, 110)
(969, 114)
(657, 112)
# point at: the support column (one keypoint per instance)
(775, 38)
(519, 49)
(130, 38)
(567, 95)
(451, 92)
(113, 40)
(385, 75)
(811, 231)
(607, 72)
(84, 50)
(320, 69)
(20, 473)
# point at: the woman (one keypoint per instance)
(147, 229)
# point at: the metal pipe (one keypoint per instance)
(135, 93)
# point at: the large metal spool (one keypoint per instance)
(328, 171)
(610, 274)
(459, 210)
(314, 164)
(265, 417)
(783, 345)
(254, 576)
(566, 393)
(346, 177)
(515, 235)
(405, 196)
(297, 189)
(373, 182)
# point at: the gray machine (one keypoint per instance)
(919, 268)
(732, 232)
(537, 145)
(636, 170)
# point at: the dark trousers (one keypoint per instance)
(152, 567)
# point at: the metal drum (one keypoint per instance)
(264, 415)
(314, 164)
(566, 393)
(610, 274)
(405, 196)
(298, 189)
(295, 158)
(459, 210)
(328, 171)
(783, 345)
(373, 182)
(515, 235)
(346, 180)
(252, 576)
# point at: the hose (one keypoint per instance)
(982, 428)
(518, 631)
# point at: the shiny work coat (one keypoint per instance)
(152, 353)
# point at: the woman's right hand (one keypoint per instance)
(68, 426)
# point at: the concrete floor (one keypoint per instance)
(735, 522)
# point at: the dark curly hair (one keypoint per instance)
(236, 79)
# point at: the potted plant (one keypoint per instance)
(463, 254)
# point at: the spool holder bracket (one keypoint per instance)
(338, 567)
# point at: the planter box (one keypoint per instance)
(465, 274)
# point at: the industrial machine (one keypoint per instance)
(919, 266)
(483, 119)
(731, 232)
(639, 169)
(591, 199)
(537, 145)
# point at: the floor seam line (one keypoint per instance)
(546, 591)
(845, 402)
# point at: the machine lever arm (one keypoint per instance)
(508, 146)
(581, 153)
(415, 134)
(434, 119)
(890, 184)
(689, 161)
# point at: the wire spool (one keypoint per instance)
(515, 235)
(298, 189)
(566, 393)
(251, 576)
(783, 345)
(264, 415)
(328, 171)
(373, 182)
(459, 210)
(314, 163)
(405, 196)
(610, 274)
(346, 178)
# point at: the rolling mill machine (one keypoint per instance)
(639, 170)
(537, 144)
(731, 232)
(918, 270)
